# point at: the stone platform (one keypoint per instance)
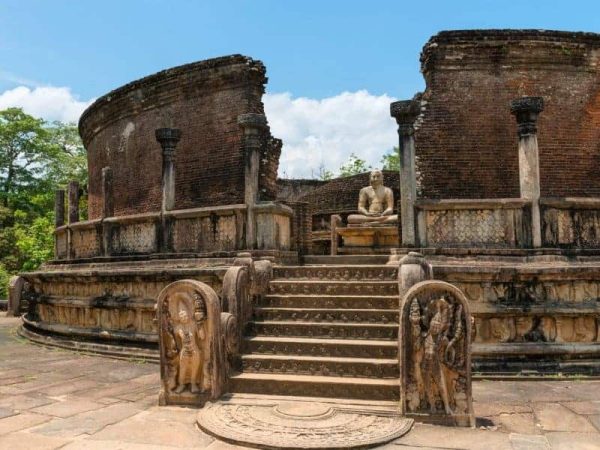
(52, 399)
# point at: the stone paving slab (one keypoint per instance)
(53, 399)
(27, 441)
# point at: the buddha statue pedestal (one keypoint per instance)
(368, 239)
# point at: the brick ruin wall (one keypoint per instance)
(466, 141)
(202, 99)
(293, 189)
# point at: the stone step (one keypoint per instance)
(337, 273)
(327, 315)
(321, 366)
(346, 260)
(324, 330)
(318, 287)
(315, 386)
(358, 348)
(331, 301)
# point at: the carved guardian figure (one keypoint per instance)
(435, 350)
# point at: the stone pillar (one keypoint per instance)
(254, 126)
(168, 139)
(59, 208)
(405, 112)
(73, 189)
(108, 209)
(526, 110)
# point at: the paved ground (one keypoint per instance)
(59, 399)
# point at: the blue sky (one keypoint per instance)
(314, 51)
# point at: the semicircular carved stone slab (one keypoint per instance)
(190, 340)
(435, 354)
(300, 425)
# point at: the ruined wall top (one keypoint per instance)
(465, 140)
(204, 100)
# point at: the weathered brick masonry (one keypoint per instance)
(202, 99)
(466, 141)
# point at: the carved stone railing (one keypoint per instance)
(243, 285)
(494, 223)
(571, 222)
(197, 230)
(214, 327)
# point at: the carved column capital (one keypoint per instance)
(405, 112)
(168, 139)
(252, 122)
(526, 110)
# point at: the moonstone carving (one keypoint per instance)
(435, 351)
(191, 355)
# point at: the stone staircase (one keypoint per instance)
(324, 331)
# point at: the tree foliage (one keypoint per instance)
(391, 160)
(354, 166)
(36, 158)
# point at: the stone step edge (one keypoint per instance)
(330, 359)
(318, 281)
(321, 341)
(334, 310)
(332, 296)
(324, 324)
(316, 379)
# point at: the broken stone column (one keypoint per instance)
(405, 112)
(526, 110)
(254, 126)
(59, 208)
(73, 190)
(168, 139)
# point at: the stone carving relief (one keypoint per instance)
(435, 348)
(470, 227)
(190, 340)
(537, 328)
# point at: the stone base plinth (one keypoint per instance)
(372, 236)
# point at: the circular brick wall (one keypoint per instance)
(203, 99)
(466, 141)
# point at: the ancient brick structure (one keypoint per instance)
(203, 99)
(465, 138)
(293, 189)
(497, 187)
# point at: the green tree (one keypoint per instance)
(354, 166)
(325, 174)
(36, 158)
(391, 160)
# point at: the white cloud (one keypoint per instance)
(325, 132)
(47, 102)
(315, 133)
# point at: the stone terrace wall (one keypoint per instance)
(204, 100)
(341, 194)
(466, 141)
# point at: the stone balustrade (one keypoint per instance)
(195, 230)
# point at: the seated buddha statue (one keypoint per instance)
(375, 204)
